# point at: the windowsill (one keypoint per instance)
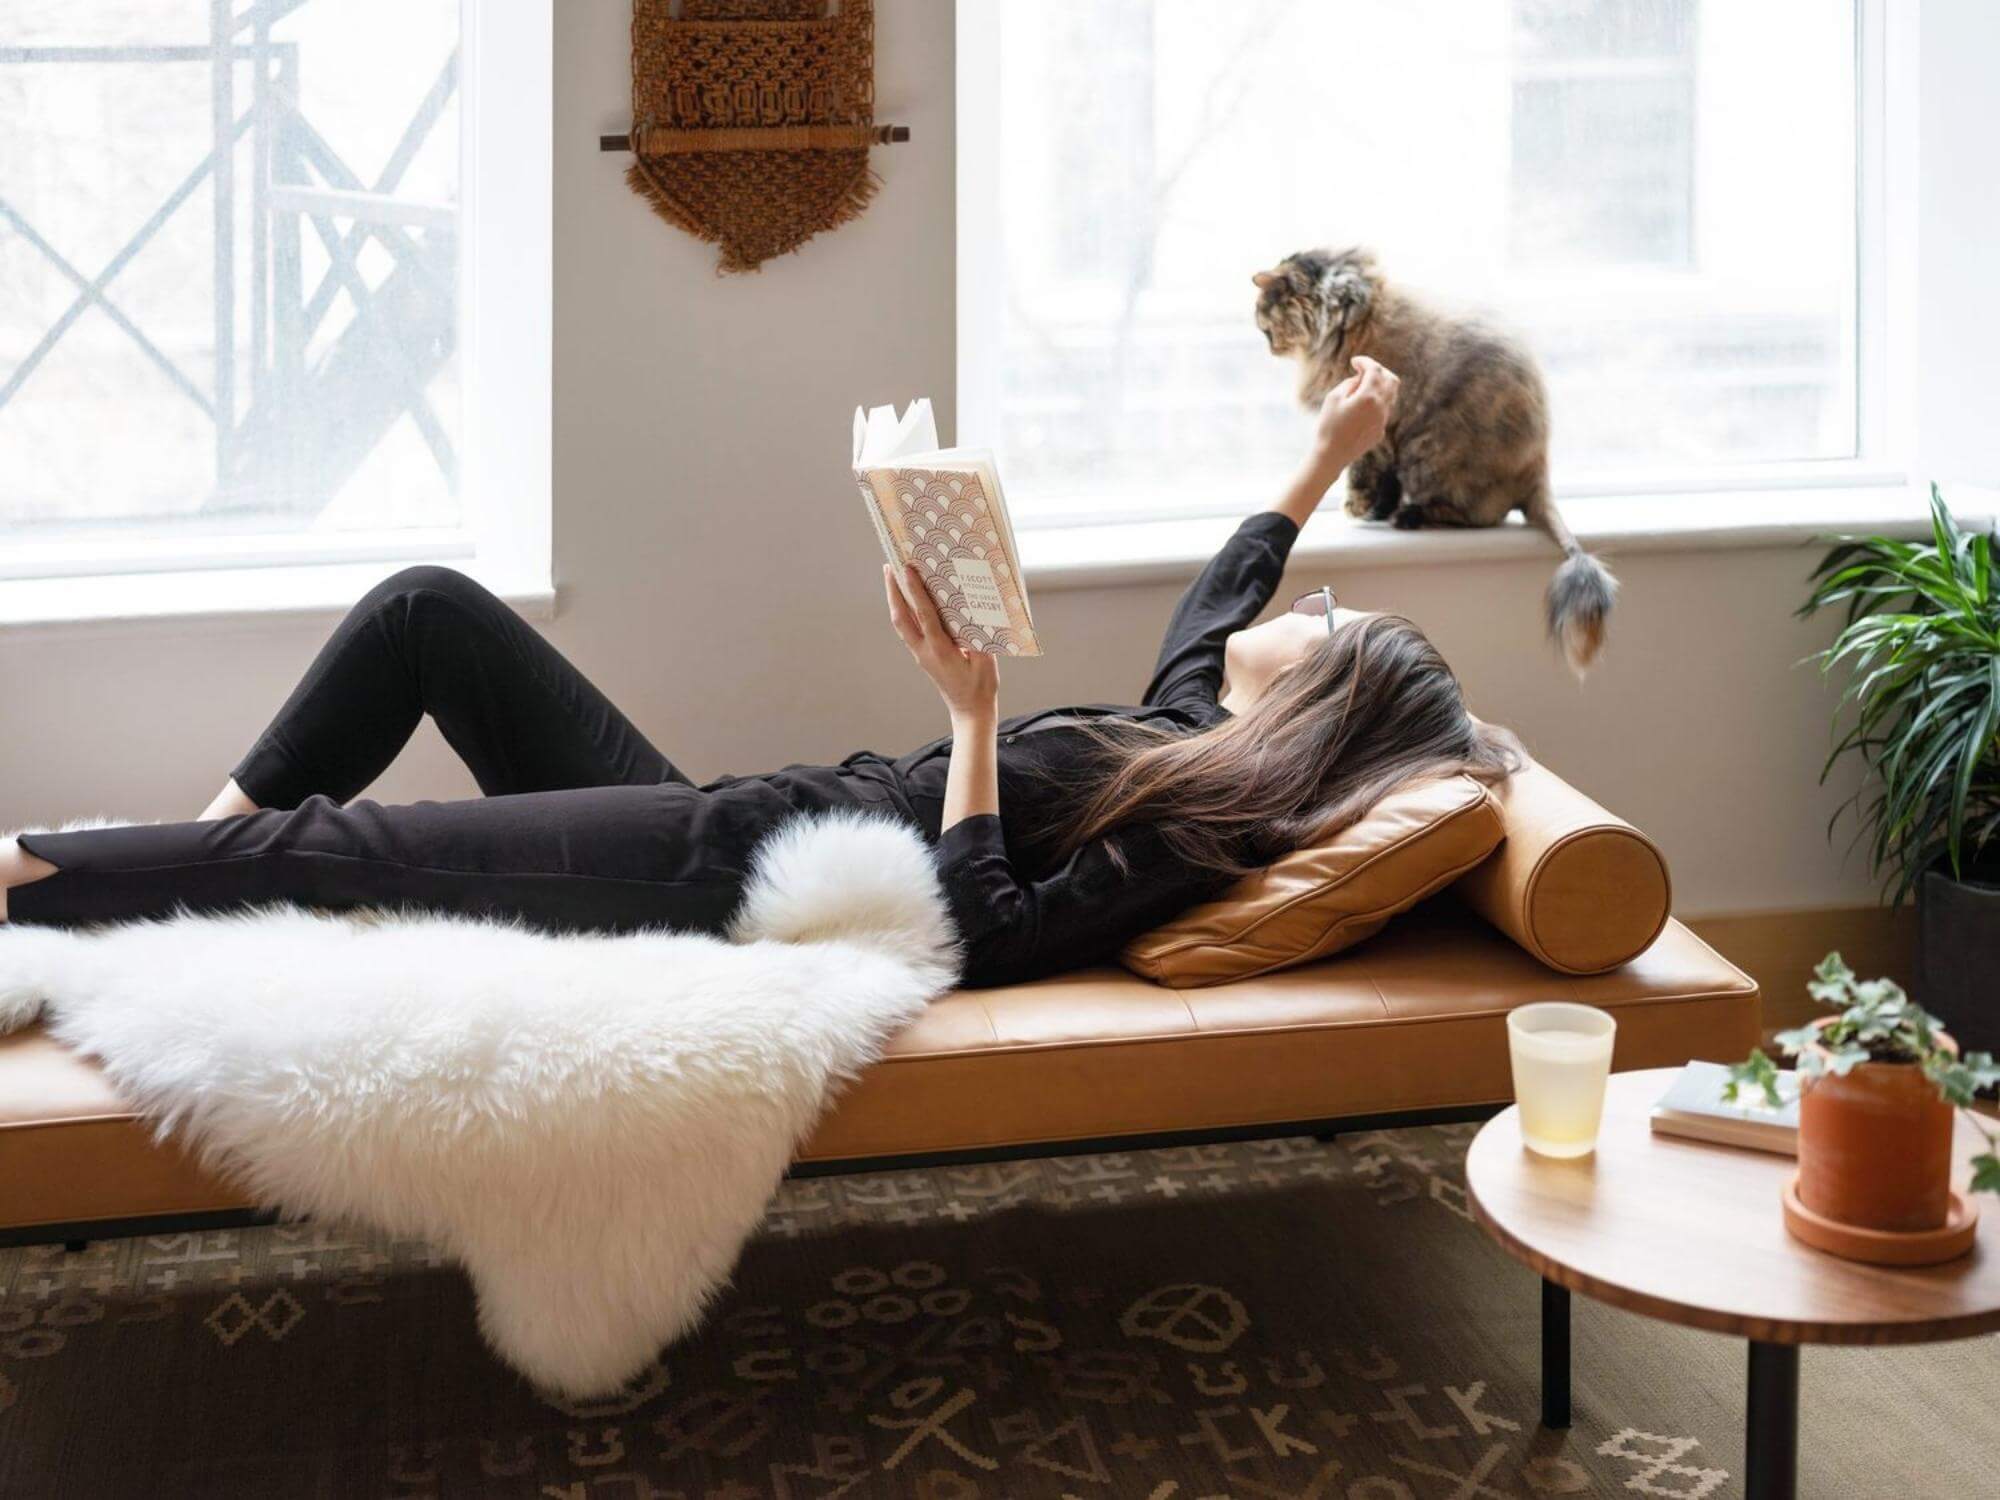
(220, 597)
(1174, 551)
(1057, 558)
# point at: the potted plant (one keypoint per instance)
(1879, 1083)
(1921, 647)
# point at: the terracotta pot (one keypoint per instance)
(1875, 1148)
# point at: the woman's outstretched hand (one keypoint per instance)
(1352, 420)
(968, 681)
(1356, 413)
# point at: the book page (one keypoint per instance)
(881, 437)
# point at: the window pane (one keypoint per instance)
(1603, 171)
(1657, 194)
(228, 267)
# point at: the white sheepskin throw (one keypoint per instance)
(591, 1125)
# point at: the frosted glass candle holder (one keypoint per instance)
(1562, 1056)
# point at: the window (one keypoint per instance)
(240, 280)
(1659, 195)
(1603, 134)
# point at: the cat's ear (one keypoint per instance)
(1263, 280)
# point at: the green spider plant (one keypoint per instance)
(1921, 648)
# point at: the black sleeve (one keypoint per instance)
(1231, 591)
(1079, 914)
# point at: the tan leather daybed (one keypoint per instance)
(1409, 1025)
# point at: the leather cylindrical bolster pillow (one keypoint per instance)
(1582, 890)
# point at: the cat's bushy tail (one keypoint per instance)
(1580, 595)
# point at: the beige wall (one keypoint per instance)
(700, 427)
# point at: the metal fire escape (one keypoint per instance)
(294, 413)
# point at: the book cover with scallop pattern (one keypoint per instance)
(944, 521)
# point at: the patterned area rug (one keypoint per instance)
(1284, 1320)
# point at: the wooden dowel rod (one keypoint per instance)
(774, 138)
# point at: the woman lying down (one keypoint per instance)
(1060, 835)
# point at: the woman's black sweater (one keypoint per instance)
(586, 827)
(1020, 919)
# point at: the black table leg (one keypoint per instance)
(1771, 1438)
(1555, 1355)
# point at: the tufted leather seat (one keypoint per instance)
(1412, 1021)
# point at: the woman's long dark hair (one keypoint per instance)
(1373, 709)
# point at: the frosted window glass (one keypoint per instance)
(1657, 194)
(256, 339)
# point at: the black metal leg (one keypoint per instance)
(1771, 1436)
(1555, 1355)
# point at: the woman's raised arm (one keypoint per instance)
(1238, 582)
(969, 683)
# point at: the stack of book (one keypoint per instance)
(1696, 1109)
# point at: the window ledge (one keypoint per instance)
(1057, 558)
(220, 598)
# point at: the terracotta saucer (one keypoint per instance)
(1884, 1247)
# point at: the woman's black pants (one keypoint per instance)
(584, 826)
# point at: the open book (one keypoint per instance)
(942, 510)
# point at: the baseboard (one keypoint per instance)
(1779, 950)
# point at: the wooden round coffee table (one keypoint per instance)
(1692, 1233)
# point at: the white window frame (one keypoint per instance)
(1896, 289)
(506, 477)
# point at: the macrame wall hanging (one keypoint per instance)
(752, 119)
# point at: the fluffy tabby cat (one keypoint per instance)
(1470, 438)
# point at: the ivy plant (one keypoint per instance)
(1874, 1021)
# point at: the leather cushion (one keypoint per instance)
(1315, 902)
(1578, 887)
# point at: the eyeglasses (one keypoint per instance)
(1319, 602)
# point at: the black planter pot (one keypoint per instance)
(1958, 957)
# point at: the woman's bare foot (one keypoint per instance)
(230, 802)
(18, 867)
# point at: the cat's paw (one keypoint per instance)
(1372, 504)
(1407, 517)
